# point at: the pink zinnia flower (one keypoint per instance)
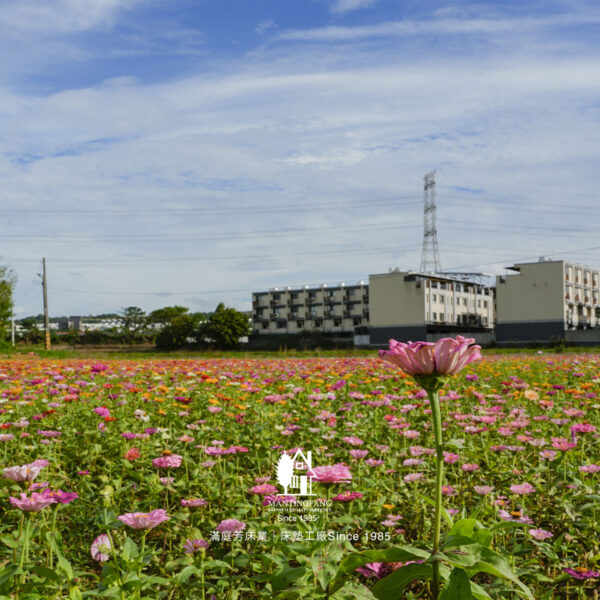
(413, 477)
(171, 461)
(139, 520)
(540, 534)
(589, 468)
(101, 548)
(332, 473)
(22, 473)
(446, 357)
(522, 489)
(483, 490)
(582, 574)
(192, 546)
(470, 467)
(194, 502)
(347, 496)
(34, 503)
(232, 525)
(60, 496)
(263, 489)
(102, 411)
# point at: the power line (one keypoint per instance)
(298, 207)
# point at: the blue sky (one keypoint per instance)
(192, 151)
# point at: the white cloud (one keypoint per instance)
(61, 16)
(342, 6)
(440, 26)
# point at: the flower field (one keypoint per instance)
(164, 479)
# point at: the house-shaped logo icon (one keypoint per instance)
(290, 480)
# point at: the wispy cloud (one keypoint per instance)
(342, 6)
(61, 16)
(440, 26)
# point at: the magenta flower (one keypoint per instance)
(581, 573)
(337, 473)
(101, 548)
(171, 461)
(483, 490)
(102, 411)
(193, 502)
(232, 525)
(34, 503)
(192, 546)
(446, 357)
(347, 496)
(60, 496)
(139, 520)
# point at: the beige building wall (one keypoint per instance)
(396, 302)
(535, 293)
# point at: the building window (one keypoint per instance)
(485, 304)
(434, 284)
(300, 324)
(434, 298)
(265, 325)
(318, 323)
(457, 301)
(281, 324)
(457, 287)
(434, 316)
(478, 303)
(464, 301)
(312, 294)
(294, 295)
(276, 296)
(357, 322)
(442, 299)
(442, 285)
(337, 322)
(350, 292)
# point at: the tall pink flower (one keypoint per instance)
(22, 473)
(446, 357)
(139, 520)
(101, 548)
(33, 503)
(332, 473)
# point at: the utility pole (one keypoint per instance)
(46, 321)
(430, 255)
(12, 326)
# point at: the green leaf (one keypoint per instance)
(464, 528)
(455, 443)
(458, 587)
(494, 564)
(478, 592)
(353, 591)
(447, 517)
(393, 586)
(358, 559)
(213, 564)
(282, 580)
(8, 572)
(182, 577)
(46, 573)
(9, 541)
(130, 550)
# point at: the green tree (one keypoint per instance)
(133, 323)
(181, 331)
(164, 316)
(7, 286)
(225, 327)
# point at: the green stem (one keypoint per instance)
(439, 474)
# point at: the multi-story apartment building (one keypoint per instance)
(329, 309)
(417, 306)
(544, 300)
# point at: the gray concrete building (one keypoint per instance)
(327, 309)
